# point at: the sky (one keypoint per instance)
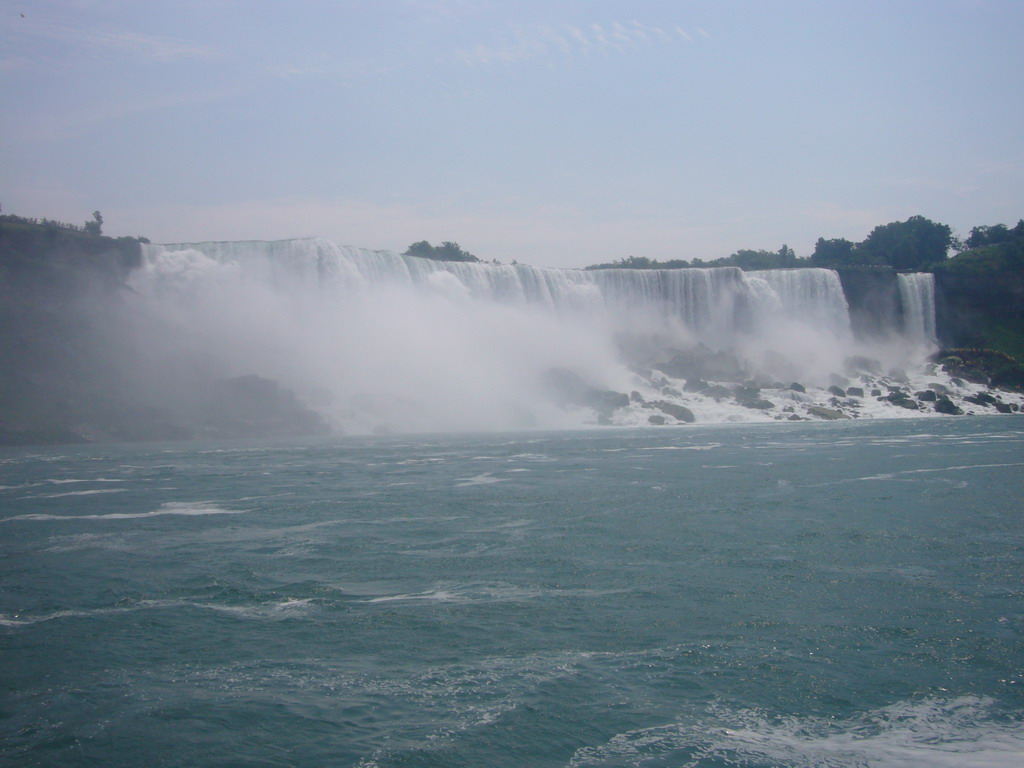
(558, 133)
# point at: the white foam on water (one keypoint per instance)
(491, 593)
(439, 595)
(485, 478)
(957, 733)
(186, 508)
(92, 492)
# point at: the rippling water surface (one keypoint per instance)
(782, 595)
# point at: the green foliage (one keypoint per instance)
(1001, 369)
(94, 227)
(744, 259)
(909, 245)
(641, 262)
(446, 251)
(993, 250)
(837, 252)
(994, 235)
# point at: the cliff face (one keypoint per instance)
(874, 299)
(81, 362)
(980, 299)
(59, 294)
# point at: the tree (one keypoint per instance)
(95, 227)
(911, 244)
(835, 252)
(446, 251)
(994, 235)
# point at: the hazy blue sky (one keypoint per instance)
(558, 133)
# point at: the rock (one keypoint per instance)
(252, 406)
(696, 385)
(656, 419)
(795, 417)
(678, 412)
(902, 399)
(939, 388)
(701, 362)
(569, 388)
(855, 392)
(797, 387)
(982, 398)
(947, 406)
(636, 397)
(825, 413)
(758, 404)
(671, 392)
(837, 391)
(926, 396)
(876, 393)
(717, 391)
(1003, 407)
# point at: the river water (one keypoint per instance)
(827, 594)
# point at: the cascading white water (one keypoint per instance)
(377, 338)
(917, 296)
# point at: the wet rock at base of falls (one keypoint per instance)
(701, 363)
(569, 388)
(982, 398)
(678, 412)
(252, 406)
(947, 406)
(717, 391)
(825, 413)
(749, 396)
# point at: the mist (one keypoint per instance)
(375, 342)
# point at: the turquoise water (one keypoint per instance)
(779, 595)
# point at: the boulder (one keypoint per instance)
(902, 399)
(569, 388)
(656, 419)
(837, 391)
(797, 387)
(825, 413)
(678, 412)
(717, 391)
(926, 396)
(982, 398)
(855, 392)
(947, 406)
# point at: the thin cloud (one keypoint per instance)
(540, 42)
(153, 47)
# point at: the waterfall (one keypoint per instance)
(810, 295)
(917, 296)
(718, 302)
(374, 337)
